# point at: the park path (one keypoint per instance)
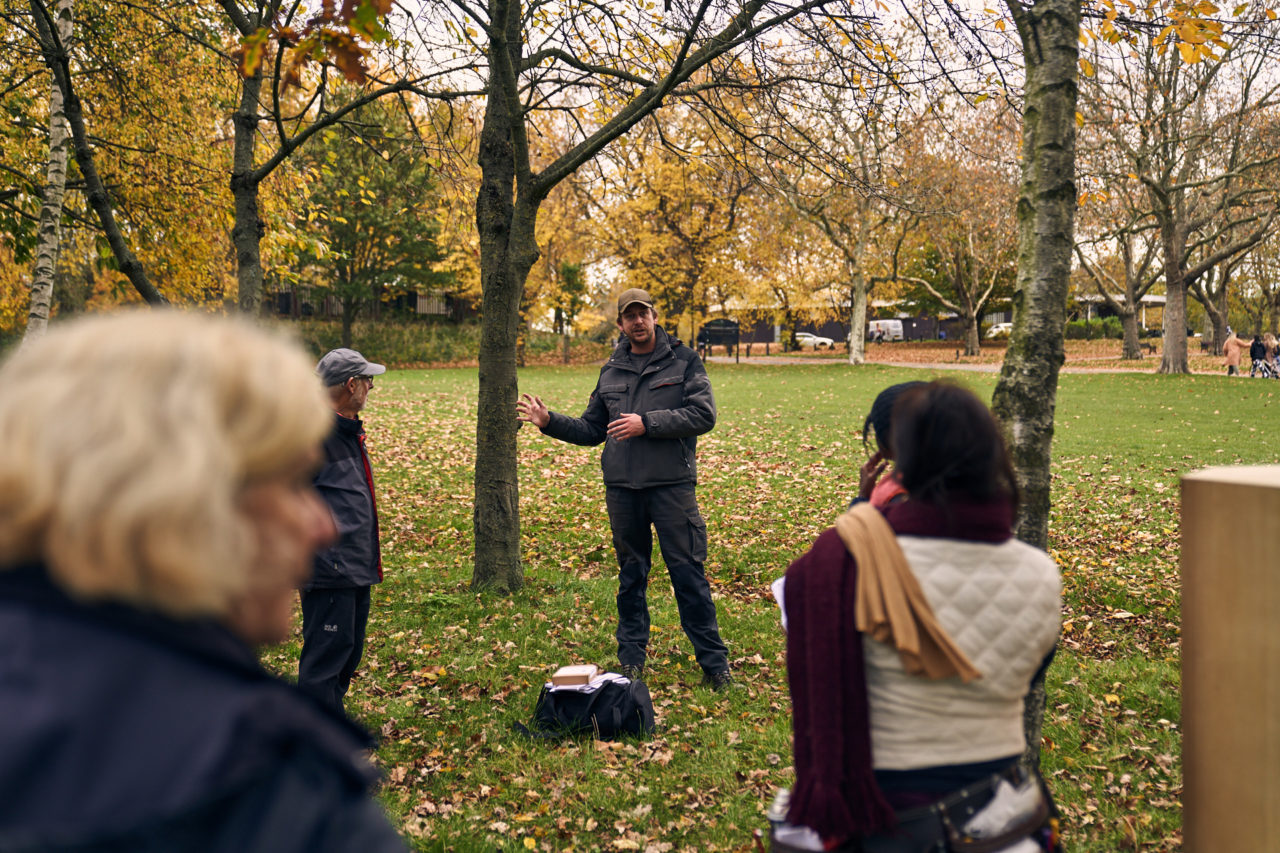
(923, 365)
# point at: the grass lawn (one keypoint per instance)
(447, 671)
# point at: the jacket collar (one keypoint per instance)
(351, 426)
(663, 346)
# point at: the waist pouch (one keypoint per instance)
(1009, 811)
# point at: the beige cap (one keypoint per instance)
(630, 297)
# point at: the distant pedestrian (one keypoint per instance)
(1232, 349)
(335, 602)
(1257, 356)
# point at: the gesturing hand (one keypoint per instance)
(870, 474)
(531, 409)
(626, 426)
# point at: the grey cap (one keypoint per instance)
(341, 364)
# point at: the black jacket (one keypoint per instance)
(345, 483)
(1257, 350)
(672, 395)
(125, 730)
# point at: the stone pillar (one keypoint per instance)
(1231, 659)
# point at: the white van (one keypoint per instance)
(884, 330)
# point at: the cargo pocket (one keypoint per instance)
(614, 397)
(698, 539)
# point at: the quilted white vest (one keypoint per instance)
(1001, 604)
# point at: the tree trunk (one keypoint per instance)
(50, 234)
(1224, 302)
(858, 318)
(1219, 322)
(522, 331)
(246, 233)
(1173, 358)
(1215, 318)
(55, 56)
(566, 348)
(1132, 345)
(1173, 355)
(1026, 393)
(350, 308)
(508, 250)
(972, 336)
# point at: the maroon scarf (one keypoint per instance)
(836, 794)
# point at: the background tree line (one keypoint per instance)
(802, 157)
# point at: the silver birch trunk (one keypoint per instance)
(1026, 393)
(50, 234)
(858, 317)
(58, 60)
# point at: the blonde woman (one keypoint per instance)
(156, 516)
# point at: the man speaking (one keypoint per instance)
(652, 401)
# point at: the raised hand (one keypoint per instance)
(531, 409)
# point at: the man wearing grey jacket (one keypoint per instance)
(335, 603)
(651, 402)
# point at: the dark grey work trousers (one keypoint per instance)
(333, 628)
(672, 511)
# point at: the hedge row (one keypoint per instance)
(1107, 327)
(405, 344)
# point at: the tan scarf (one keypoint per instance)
(890, 604)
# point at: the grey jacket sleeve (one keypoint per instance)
(695, 416)
(588, 430)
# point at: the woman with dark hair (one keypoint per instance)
(874, 484)
(913, 635)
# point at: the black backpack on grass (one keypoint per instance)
(612, 710)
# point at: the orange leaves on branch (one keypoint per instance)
(341, 35)
(1195, 27)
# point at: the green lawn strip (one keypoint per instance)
(448, 671)
(1112, 754)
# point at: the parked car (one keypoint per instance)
(810, 341)
(1000, 330)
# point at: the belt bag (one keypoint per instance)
(1014, 812)
(1010, 811)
